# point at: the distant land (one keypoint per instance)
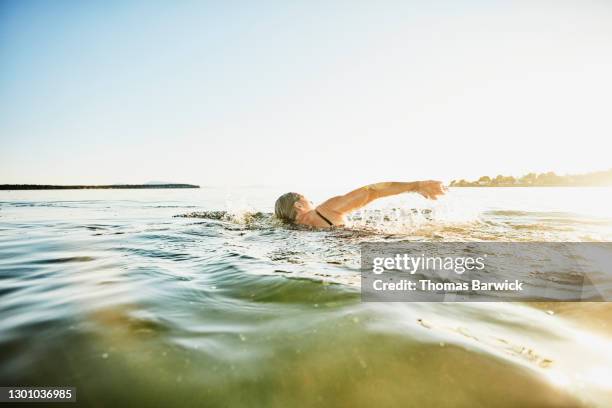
(550, 179)
(85, 187)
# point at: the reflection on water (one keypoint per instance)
(109, 292)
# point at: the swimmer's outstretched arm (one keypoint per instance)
(364, 195)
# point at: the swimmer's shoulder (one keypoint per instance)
(336, 218)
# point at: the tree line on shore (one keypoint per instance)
(598, 178)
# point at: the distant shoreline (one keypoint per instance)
(92, 187)
(532, 185)
(550, 179)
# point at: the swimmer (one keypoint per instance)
(294, 208)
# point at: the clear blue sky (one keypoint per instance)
(233, 93)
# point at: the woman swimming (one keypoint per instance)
(297, 209)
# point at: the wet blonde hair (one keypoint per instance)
(284, 208)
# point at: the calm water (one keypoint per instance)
(108, 291)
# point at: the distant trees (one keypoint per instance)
(601, 178)
(549, 178)
(528, 179)
(500, 180)
(459, 183)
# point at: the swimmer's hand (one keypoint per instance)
(430, 189)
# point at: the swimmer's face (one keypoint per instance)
(304, 204)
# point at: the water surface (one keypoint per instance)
(109, 291)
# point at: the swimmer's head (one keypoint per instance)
(289, 205)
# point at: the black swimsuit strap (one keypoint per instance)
(331, 224)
